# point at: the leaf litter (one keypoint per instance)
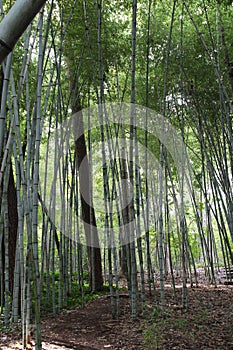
(206, 324)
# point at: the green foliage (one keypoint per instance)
(8, 329)
(154, 323)
(151, 336)
(152, 339)
(77, 296)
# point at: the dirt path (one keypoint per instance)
(208, 324)
(91, 327)
(94, 328)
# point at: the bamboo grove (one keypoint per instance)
(144, 189)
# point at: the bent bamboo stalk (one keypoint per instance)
(15, 23)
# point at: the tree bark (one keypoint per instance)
(88, 213)
(15, 23)
(13, 217)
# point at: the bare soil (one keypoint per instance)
(206, 324)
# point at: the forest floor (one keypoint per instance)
(206, 324)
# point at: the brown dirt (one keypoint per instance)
(207, 324)
(94, 328)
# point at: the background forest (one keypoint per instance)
(116, 155)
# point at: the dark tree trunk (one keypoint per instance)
(13, 216)
(88, 213)
(13, 229)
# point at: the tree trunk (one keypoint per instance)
(88, 213)
(13, 217)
